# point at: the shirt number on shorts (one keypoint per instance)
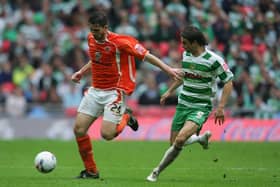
(116, 108)
(199, 114)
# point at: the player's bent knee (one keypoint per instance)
(79, 131)
(108, 136)
(180, 141)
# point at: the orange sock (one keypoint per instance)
(85, 149)
(122, 124)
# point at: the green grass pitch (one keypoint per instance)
(127, 163)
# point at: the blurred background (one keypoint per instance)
(43, 42)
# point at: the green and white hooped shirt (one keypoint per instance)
(199, 87)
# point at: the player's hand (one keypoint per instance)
(219, 116)
(177, 74)
(76, 77)
(164, 97)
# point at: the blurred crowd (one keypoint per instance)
(43, 42)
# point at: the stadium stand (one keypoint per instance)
(43, 42)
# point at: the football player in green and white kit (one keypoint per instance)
(201, 67)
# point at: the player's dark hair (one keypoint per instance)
(99, 18)
(192, 33)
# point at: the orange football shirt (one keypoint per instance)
(113, 62)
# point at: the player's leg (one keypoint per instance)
(83, 122)
(108, 130)
(116, 116)
(111, 126)
(172, 152)
(203, 139)
(88, 112)
(173, 135)
(194, 120)
(177, 124)
(199, 117)
(132, 122)
(154, 174)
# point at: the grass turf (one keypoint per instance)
(126, 164)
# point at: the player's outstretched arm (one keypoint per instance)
(170, 90)
(176, 74)
(76, 77)
(219, 114)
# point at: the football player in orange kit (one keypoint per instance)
(112, 65)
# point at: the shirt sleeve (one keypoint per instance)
(132, 47)
(222, 70)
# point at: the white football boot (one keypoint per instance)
(204, 140)
(153, 176)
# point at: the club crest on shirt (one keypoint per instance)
(107, 48)
(97, 56)
(192, 66)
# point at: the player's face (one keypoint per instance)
(186, 44)
(99, 32)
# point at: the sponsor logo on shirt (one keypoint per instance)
(192, 76)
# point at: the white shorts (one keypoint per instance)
(109, 103)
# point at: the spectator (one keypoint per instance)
(151, 95)
(245, 32)
(22, 71)
(47, 85)
(16, 100)
(125, 27)
(5, 73)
